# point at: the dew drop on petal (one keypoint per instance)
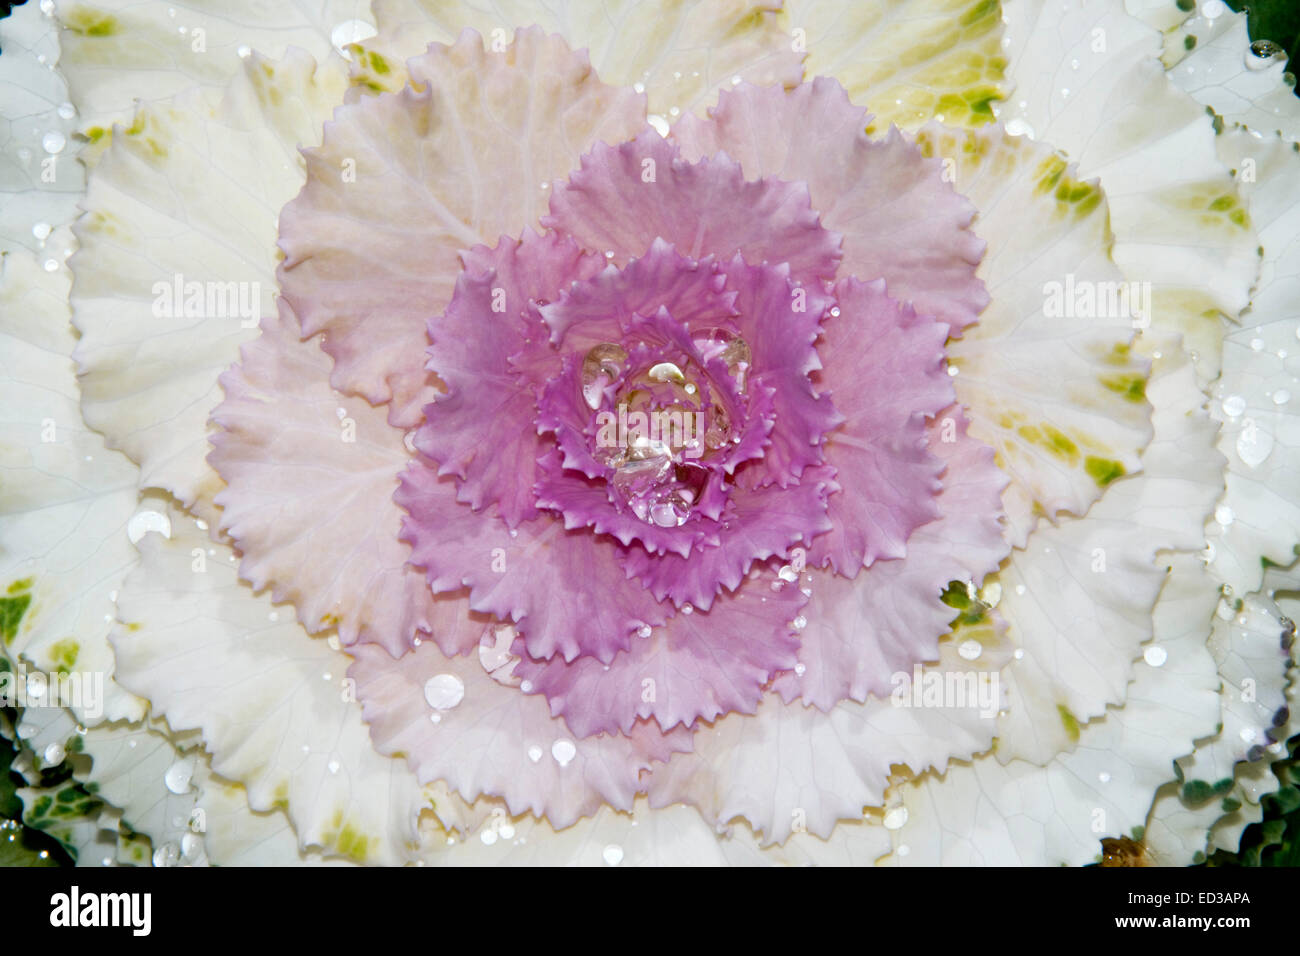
(1254, 445)
(1263, 54)
(1155, 656)
(969, 650)
(142, 522)
(166, 855)
(1234, 405)
(54, 754)
(54, 141)
(350, 31)
(1223, 515)
(191, 845)
(896, 818)
(41, 231)
(563, 751)
(612, 854)
(177, 777)
(1281, 397)
(534, 753)
(444, 691)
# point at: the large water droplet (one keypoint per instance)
(178, 775)
(142, 522)
(54, 141)
(166, 855)
(191, 846)
(1254, 444)
(1263, 54)
(612, 854)
(563, 751)
(350, 31)
(444, 691)
(895, 818)
(1234, 405)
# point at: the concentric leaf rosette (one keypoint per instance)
(606, 432)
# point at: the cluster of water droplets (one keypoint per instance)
(661, 467)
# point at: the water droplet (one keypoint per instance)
(350, 31)
(54, 754)
(177, 777)
(895, 818)
(643, 630)
(488, 836)
(333, 765)
(1263, 54)
(1247, 734)
(47, 7)
(54, 141)
(534, 753)
(563, 751)
(1257, 345)
(1213, 9)
(1223, 515)
(244, 51)
(788, 573)
(1234, 405)
(688, 609)
(166, 855)
(41, 231)
(191, 846)
(1018, 127)
(1254, 445)
(612, 854)
(1155, 656)
(1281, 397)
(969, 650)
(142, 522)
(659, 123)
(444, 691)
(51, 265)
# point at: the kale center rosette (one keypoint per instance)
(667, 449)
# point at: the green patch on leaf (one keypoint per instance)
(12, 610)
(1069, 721)
(1103, 470)
(1131, 387)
